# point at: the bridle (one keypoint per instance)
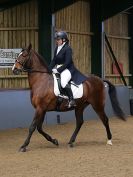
(23, 64)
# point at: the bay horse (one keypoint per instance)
(43, 99)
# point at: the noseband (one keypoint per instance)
(23, 63)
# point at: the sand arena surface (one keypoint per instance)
(90, 157)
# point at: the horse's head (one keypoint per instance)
(22, 62)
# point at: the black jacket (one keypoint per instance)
(64, 57)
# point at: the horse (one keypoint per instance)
(43, 99)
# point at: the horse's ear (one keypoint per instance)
(29, 47)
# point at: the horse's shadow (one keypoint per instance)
(78, 144)
(75, 145)
(90, 143)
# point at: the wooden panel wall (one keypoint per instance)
(18, 28)
(75, 19)
(116, 29)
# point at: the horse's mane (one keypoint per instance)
(42, 60)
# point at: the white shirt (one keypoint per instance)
(60, 47)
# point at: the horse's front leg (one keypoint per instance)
(38, 115)
(37, 123)
(40, 130)
(31, 130)
(79, 122)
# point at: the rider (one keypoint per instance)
(62, 63)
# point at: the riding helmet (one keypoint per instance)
(61, 35)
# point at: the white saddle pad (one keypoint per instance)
(76, 89)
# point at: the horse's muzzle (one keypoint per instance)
(17, 71)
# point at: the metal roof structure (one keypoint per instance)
(108, 8)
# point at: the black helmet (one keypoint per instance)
(61, 35)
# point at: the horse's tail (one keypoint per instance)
(114, 101)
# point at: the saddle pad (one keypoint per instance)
(76, 90)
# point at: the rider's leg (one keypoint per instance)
(65, 78)
(70, 95)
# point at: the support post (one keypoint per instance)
(96, 28)
(45, 23)
(115, 60)
(103, 51)
(130, 23)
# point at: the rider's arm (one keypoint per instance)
(67, 60)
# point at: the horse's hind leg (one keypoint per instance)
(105, 121)
(40, 130)
(79, 122)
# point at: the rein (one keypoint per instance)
(30, 70)
(34, 71)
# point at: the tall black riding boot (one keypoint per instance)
(70, 96)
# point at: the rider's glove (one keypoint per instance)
(55, 71)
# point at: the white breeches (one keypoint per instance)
(65, 77)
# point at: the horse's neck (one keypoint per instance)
(37, 79)
(39, 70)
(38, 65)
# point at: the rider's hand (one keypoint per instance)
(55, 71)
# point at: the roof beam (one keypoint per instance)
(112, 7)
(9, 3)
(60, 4)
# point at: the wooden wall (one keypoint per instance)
(75, 20)
(116, 29)
(18, 28)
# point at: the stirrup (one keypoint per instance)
(71, 103)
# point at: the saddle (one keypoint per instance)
(77, 90)
(62, 91)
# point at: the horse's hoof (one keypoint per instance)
(22, 149)
(109, 142)
(71, 145)
(55, 142)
